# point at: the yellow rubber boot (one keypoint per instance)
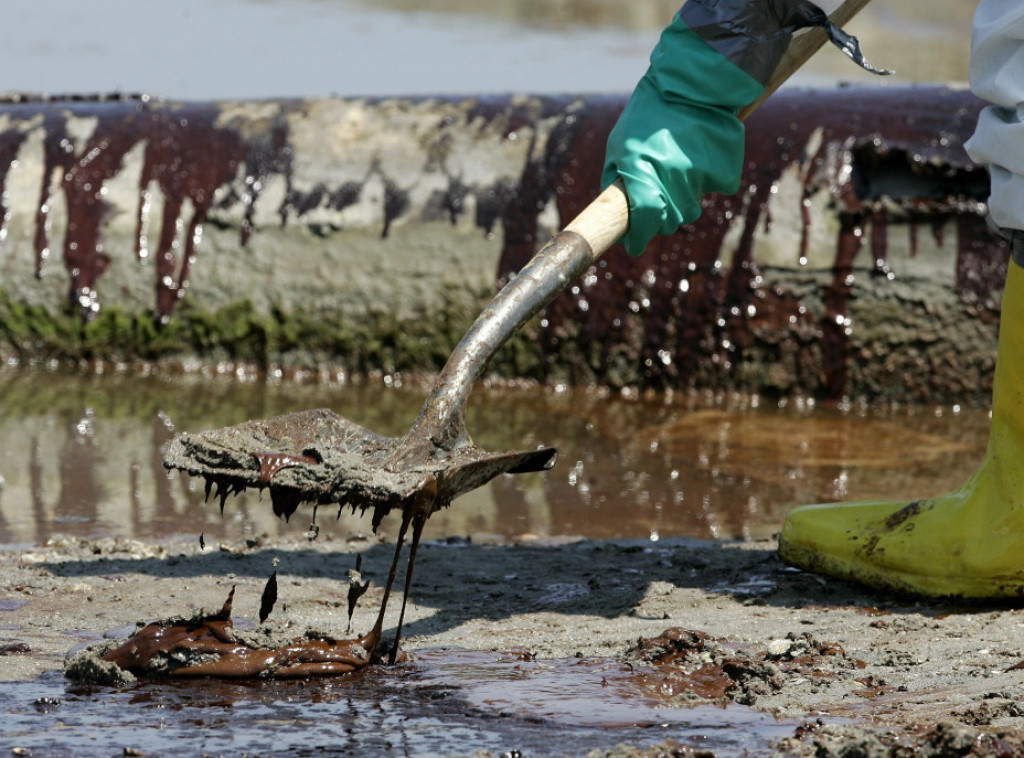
(967, 544)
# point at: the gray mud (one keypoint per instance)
(854, 668)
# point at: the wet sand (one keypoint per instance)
(890, 670)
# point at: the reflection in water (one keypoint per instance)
(82, 456)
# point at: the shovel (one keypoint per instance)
(319, 457)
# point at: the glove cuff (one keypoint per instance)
(754, 35)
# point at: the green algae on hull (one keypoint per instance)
(773, 364)
(239, 332)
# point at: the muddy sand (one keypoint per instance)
(864, 673)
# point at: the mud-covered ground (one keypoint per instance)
(897, 674)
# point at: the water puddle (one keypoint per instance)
(82, 456)
(442, 703)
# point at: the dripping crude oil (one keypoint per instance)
(208, 645)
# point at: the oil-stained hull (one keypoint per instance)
(855, 261)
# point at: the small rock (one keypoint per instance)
(779, 648)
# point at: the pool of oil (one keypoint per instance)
(81, 455)
(445, 702)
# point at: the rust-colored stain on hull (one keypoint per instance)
(698, 309)
(696, 301)
(186, 155)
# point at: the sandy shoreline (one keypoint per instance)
(893, 666)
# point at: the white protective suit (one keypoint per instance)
(997, 75)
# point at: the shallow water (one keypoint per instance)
(81, 455)
(444, 703)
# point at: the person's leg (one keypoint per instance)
(969, 543)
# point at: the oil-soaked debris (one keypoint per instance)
(687, 665)
(667, 749)
(670, 646)
(89, 667)
(943, 740)
(269, 598)
(953, 670)
(208, 645)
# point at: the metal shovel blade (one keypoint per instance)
(319, 457)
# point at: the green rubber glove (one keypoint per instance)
(679, 136)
